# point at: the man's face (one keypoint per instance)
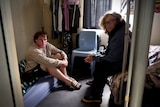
(41, 41)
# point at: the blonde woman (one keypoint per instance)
(110, 62)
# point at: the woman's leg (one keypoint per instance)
(99, 82)
(102, 71)
(100, 76)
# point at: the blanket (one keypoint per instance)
(152, 74)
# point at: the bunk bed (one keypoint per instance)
(152, 82)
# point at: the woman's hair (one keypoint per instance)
(40, 33)
(102, 19)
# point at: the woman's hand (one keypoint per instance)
(89, 58)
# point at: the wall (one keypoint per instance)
(10, 90)
(27, 19)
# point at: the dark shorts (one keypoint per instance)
(34, 74)
(39, 72)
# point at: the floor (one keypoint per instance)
(63, 97)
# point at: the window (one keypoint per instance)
(93, 10)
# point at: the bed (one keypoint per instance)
(152, 82)
(35, 87)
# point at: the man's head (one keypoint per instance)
(40, 38)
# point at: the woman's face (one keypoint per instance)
(110, 23)
(41, 41)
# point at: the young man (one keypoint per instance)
(47, 58)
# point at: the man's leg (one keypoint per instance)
(62, 69)
(59, 75)
(55, 72)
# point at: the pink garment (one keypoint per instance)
(66, 14)
(73, 2)
(157, 9)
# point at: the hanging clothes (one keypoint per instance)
(71, 15)
(74, 2)
(65, 16)
(52, 7)
(58, 18)
(56, 9)
(65, 11)
(67, 43)
(74, 13)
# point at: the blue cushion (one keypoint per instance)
(39, 91)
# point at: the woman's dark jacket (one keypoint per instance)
(115, 47)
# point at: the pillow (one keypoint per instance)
(27, 79)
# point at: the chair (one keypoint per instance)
(87, 43)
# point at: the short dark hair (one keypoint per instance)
(39, 33)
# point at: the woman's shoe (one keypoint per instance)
(89, 83)
(91, 99)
